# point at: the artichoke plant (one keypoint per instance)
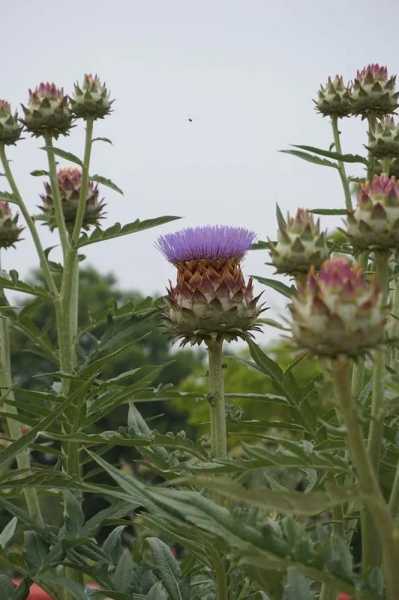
(48, 111)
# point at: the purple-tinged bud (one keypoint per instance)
(374, 224)
(70, 183)
(48, 111)
(334, 98)
(9, 230)
(373, 92)
(384, 140)
(338, 312)
(300, 243)
(10, 129)
(92, 99)
(211, 298)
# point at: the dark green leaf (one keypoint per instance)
(312, 158)
(64, 154)
(329, 211)
(39, 173)
(102, 139)
(277, 285)
(349, 158)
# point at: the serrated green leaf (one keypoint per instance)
(312, 158)
(118, 230)
(167, 567)
(14, 283)
(107, 182)
(349, 158)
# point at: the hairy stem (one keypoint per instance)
(341, 166)
(216, 398)
(30, 223)
(58, 209)
(368, 482)
(13, 426)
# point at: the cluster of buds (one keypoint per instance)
(48, 111)
(92, 99)
(371, 92)
(69, 184)
(384, 140)
(300, 243)
(10, 129)
(211, 298)
(337, 312)
(9, 230)
(374, 223)
(334, 98)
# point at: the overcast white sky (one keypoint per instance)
(245, 71)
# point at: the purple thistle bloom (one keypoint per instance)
(206, 242)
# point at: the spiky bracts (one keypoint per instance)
(91, 100)
(69, 182)
(384, 140)
(373, 92)
(10, 129)
(48, 111)
(334, 98)
(374, 224)
(211, 298)
(337, 311)
(300, 243)
(9, 230)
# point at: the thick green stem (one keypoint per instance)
(13, 426)
(358, 374)
(85, 183)
(216, 398)
(341, 166)
(371, 160)
(30, 223)
(368, 482)
(371, 547)
(58, 208)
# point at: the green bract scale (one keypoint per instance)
(334, 98)
(9, 230)
(92, 99)
(10, 129)
(373, 92)
(337, 312)
(384, 140)
(374, 224)
(69, 183)
(48, 111)
(211, 298)
(300, 243)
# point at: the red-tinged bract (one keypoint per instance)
(9, 230)
(48, 111)
(10, 128)
(334, 98)
(300, 244)
(91, 100)
(373, 92)
(210, 298)
(70, 183)
(374, 224)
(337, 312)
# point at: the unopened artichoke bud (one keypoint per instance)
(10, 129)
(211, 297)
(69, 183)
(9, 230)
(300, 243)
(374, 224)
(92, 99)
(48, 111)
(334, 98)
(373, 92)
(384, 140)
(337, 312)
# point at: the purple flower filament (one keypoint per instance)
(209, 242)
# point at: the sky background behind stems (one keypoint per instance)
(244, 71)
